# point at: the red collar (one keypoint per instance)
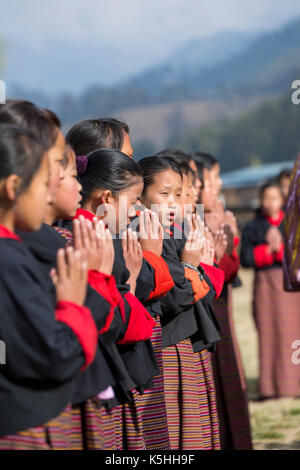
(86, 214)
(5, 233)
(277, 221)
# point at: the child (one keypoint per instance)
(46, 125)
(194, 183)
(93, 134)
(46, 344)
(183, 378)
(227, 363)
(276, 312)
(109, 177)
(44, 244)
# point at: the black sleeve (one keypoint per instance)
(181, 296)
(38, 347)
(145, 282)
(99, 307)
(247, 245)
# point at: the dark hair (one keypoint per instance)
(207, 160)
(180, 162)
(21, 154)
(200, 167)
(93, 134)
(43, 122)
(108, 169)
(267, 185)
(176, 154)
(286, 173)
(150, 166)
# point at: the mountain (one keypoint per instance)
(192, 57)
(227, 64)
(268, 134)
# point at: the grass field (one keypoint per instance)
(275, 423)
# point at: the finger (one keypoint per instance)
(70, 255)
(135, 243)
(147, 223)
(161, 232)
(61, 264)
(77, 235)
(142, 224)
(139, 250)
(155, 225)
(189, 221)
(124, 241)
(84, 233)
(83, 270)
(54, 276)
(129, 241)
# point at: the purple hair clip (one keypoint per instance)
(81, 162)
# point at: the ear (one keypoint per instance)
(105, 196)
(11, 185)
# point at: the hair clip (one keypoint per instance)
(81, 163)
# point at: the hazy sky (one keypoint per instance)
(68, 44)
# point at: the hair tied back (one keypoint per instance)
(81, 163)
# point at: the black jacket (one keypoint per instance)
(252, 236)
(43, 356)
(104, 371)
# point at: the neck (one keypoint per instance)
(50, 216)
(7, 219)
(88, 206)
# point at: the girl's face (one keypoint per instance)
(187, 195)
(31, 206)
(55, 155)
(196, 187)
(163, 196)
(68, 197)
(271, 201)
(118, 210)
(216, 179)
(208, 195)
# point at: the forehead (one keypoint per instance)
(271, 192)
(168, 178)
(134, 190)
(215, 168)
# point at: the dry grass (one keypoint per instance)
(275, 423)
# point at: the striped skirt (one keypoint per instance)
(54, 435)
(277, 318)
(132, 425)
(232, 402)
(94, 427)
(152, 402)
(208, 403)
(187, 397)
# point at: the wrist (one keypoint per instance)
(189, 265)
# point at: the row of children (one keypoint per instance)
(116, 318)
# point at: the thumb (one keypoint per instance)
(54, 276)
